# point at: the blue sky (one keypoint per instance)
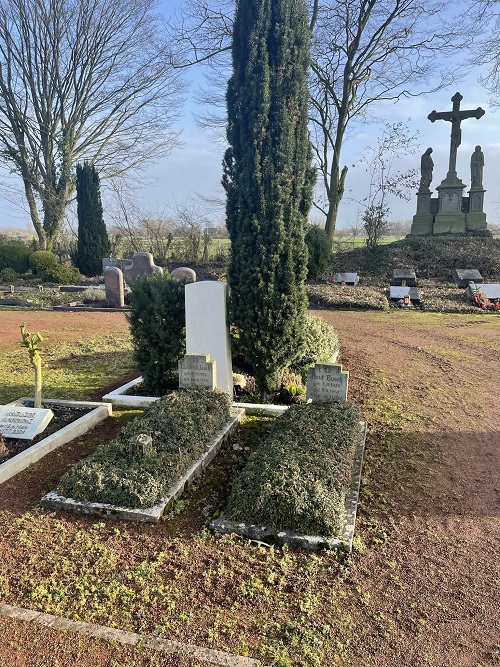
(196, 167)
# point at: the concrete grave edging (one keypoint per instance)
(80, 426)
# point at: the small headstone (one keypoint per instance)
(463, 277)
(23, 423)
(327, 383)
(346, 279)
(397, 293)
(141, 444)
(113, 284)
(108, 262)
(142, 265)
(404, 278)
(196, 371)
(185, 274)
(207, 331)
(490, 290)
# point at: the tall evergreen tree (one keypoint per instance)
(93, 241)
(268, 179)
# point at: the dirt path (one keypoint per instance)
(429, 590)
(424, 590)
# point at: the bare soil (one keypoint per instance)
(422, 589)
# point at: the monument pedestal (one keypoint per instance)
(423, 219)
(476, 218)
(450, 219)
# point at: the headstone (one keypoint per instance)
(397, 293)
(108, 262)
(113, 284)
(196, 371)
(184, 273)
(23, 423)
(346, 278)
(207, 331)
(327, 383)
(141, 444)
(463, 277)
(490, 290)
(404, 278)
(142, 265)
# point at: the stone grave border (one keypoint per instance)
(53, 500)
(309, 542)
(80, 426)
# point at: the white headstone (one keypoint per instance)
(326, 383)
(196, 371)
(207, 331)
(23, 423)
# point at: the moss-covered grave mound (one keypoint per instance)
(298, 479)
(181, 425)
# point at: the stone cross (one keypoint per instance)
(455, 117)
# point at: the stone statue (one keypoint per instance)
(426, 167)
(476, 168)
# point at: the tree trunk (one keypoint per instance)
(337, 185)
(38, 384)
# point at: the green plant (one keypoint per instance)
(32, 341)
(268, 179)
(8, 275)
(338, 296)
(41, 260)
(297, 479)
(92, 294)
(93, 241)
(60, 274)
(15, 255)
(180, 424)
(319, 252)
(321, 343)
(157, 321)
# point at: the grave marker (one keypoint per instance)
(23, 423)
(463, 277)
(142, 265)
(113, 284)
(397, 293)
(490, 290)
(404, 278)
(327, 383)
(207, 331)
(196, 371)
(346, 278)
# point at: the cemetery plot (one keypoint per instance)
(404, 278)
(346, 279)
(462, 277)
(404, 294)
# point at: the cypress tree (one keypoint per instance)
(268, 179)
(93, 241)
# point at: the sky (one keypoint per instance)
(195, 168)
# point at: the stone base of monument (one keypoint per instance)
(152, 514)
(422, 224)
(273, 536)
(98, 412)
(449, 223)
(476, 221)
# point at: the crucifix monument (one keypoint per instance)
(450, 212)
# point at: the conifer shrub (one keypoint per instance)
(298, 479)
(319, 249)
(60, 274)
(41, 260)
(157, 325)
(181, 425)
(15, 256)
(8, 275)
(321, 341)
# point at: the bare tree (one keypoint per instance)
(482, 21)
(88, 79)
(363, 51)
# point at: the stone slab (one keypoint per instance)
(490, 290)
(462, 277)
(397, 293)
(54, 500)
(406, 276)
(23, 423)
(196, 371)
(347, 278)
(309, 542)
(120, 399)
(327, 382)
(80, 426)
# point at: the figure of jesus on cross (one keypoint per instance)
(455, 117)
